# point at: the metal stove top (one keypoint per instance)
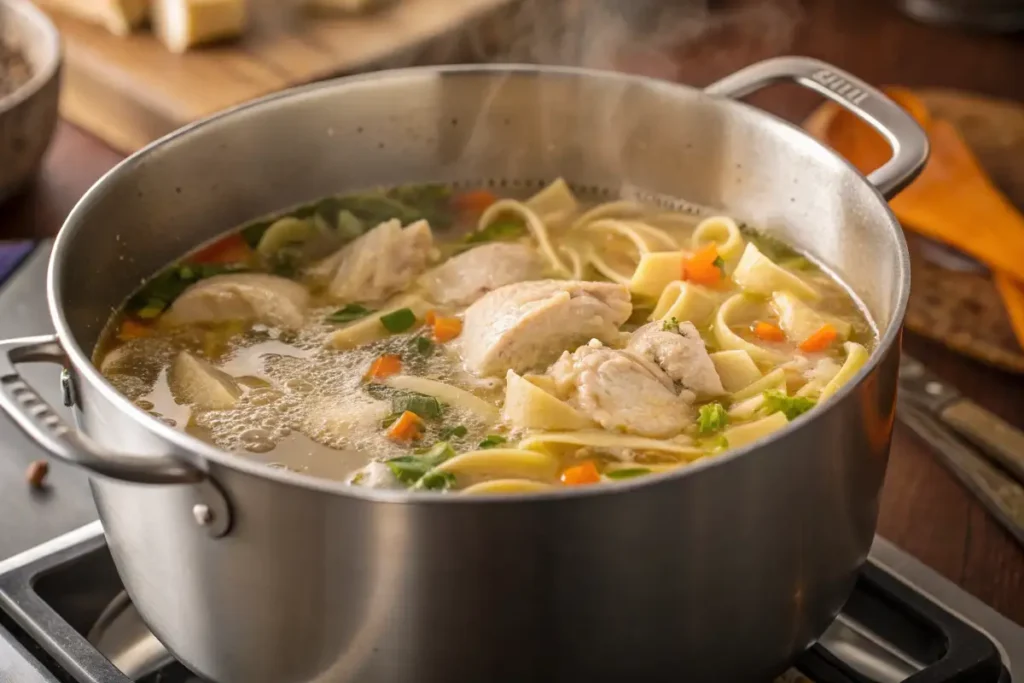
(903, 623)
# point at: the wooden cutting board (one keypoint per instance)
(130, 91)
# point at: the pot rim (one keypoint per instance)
(207, 453)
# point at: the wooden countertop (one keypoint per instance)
(924, 509)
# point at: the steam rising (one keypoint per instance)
(686, 40)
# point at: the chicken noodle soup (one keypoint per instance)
(436, 338)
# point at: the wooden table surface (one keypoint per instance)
(924, 509)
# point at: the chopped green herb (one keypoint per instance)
(389, 420)
(185, 272)
(712, 418)
(423, 346)
(426, 407)
(627, 473)
(253, 233)
(719, 263)
(791, 406)
(348, 314)
(456, 432)
(670, 325)
(398, 321)
(492, 441)
(501, 230)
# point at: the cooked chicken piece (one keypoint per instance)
(681, 353)
(527, 324)
(194, 381)
(250, 297)
(463, 279)
(619, 393)
(375, 475)
(377, 265)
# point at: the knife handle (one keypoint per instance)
(999, 440)
(1001, 495)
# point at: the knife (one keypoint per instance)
(999, 440)
(939, 415)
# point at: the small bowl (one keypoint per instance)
(28, 116)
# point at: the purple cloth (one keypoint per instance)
(12, 253)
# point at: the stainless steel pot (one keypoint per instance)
(724, 571)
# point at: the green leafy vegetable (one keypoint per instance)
(501, 230)
(253, 233)
(492, 441)
(423, 346)
(390, 419)
(456, 432)
(411, 469)
(712, 418)
(719, 263)
(790, 406)
(398, 321)
(670, 325)
(348, 314)
(426, 407)
(627, 473)
(436, 481)
(349, 227)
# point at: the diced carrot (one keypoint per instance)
(820, 340)
(231, 249)
(430, 317)
(446, 329)
(408, 427)
(704, 266)
(475, 202)
(578, 475)
(768, 332)
(385, 366)
(133, 329)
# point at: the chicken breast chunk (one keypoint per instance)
(249, 297)
(620, 393)
(463, 279)
(376, 265)
(528, 324)
(681, 353)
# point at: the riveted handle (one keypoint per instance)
(42, 424)
(908, 140)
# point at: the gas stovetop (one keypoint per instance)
(903, 623)
(64, 617)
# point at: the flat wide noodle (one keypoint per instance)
(503, 463)
(533, 223)
(459, 398)
(506, 486)
(727, 339)
(724, 232)
(608, 440)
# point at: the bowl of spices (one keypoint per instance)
(30, 57)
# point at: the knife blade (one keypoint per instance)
(996, 438)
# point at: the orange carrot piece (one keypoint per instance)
(231, 249)
(578, 475)
(475, 202)
(385, 366)
(446, 329)
(768, 332)
(408, 427)
(703, 266)
(133, 329)
(820, 340)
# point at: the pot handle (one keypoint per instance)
(908, 140)
(39, 421)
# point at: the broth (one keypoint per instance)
(446, 339)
